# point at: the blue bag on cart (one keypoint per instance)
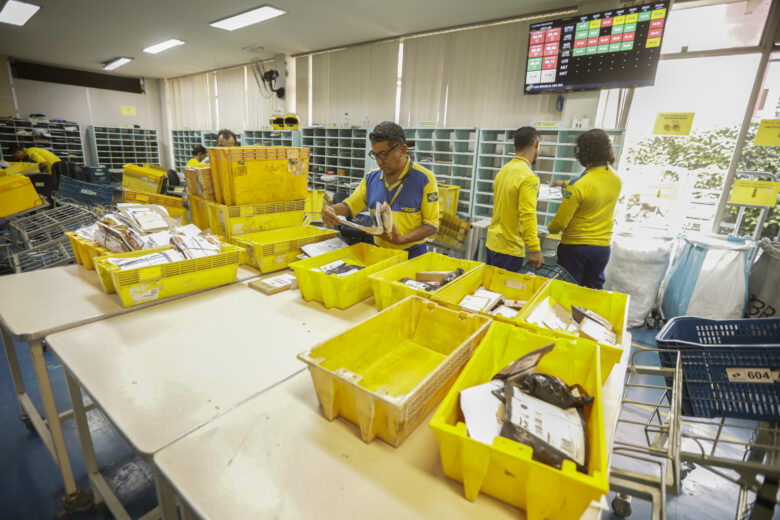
(708, 277)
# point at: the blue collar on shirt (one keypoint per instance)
(606, 168)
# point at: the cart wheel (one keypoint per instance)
(44, 346)
(685, 469)
(27, 423)
(650, 322)
(621, 505)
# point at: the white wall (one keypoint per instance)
(93, 106)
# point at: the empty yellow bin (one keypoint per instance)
(229, 221)
(387, 373)
(274, 250)
(505, 469)
(17, 194)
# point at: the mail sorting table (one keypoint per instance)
(276, 456)
(36, 304)
(162, 372)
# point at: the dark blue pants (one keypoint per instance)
(417, 250)
(508, 262)
(584, 263)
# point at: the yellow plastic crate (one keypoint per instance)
(173, 205)
(102, 267)
(389, 372)
(274, 250)
(255, 174)
(612, 306)
(452, 231)
(448, 199)
(20, 168)
(342, 292)
(388, 290)
(505, 469)
(139, 178)
(17, 194)
(315, 201)
(85, 250)
(147, 284)
(514, 286)
(200, 211)
(229, 221)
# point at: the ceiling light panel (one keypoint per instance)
(163, 46)
(116, 63)
(254, 16)
(17, 13)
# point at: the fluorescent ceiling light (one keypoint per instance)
(116, 63)
(17, 13)
(254, 16)
(164, 46)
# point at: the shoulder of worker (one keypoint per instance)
(420, 174)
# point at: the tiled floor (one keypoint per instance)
(31, 488)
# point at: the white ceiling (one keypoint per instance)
(83, 34)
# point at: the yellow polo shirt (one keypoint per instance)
(194, 162)
(413, 198)
(513, 225)
(586, 214)
(40, 155)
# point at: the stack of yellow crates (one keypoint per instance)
(259, 197)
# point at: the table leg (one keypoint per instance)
(165, 497)
(87, 448)
(16, 374)
(75, 499)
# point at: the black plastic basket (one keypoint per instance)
(731, 368)
(87, 193)
(555, 272)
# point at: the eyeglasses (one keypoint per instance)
(381, 156)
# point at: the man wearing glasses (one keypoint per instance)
(409, 189)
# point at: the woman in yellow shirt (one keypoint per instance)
(199, 154)
(586, 214)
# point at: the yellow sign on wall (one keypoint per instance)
(128, 110)
(768, 133)
(754, 193)
(673, 123)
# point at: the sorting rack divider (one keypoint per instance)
(65, 141)
(344, 151)
(114, 146)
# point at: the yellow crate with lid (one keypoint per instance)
(274, 250)
(389, 372)
(610, 305)
(17, 194)
(152, 283)
(388, 290)
(256, 174)
(449, 196)
(140, 178)
(505, 470)
(173, 205)
(343, 292)
(230, 221)
(513, 286)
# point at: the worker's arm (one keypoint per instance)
(529, 191)
(353, 205)
(571, 201)
(429, 207)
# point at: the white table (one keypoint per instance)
(36, 304)
(162, 372)
(275, 456)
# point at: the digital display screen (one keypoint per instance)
(616, 48)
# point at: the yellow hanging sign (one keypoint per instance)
(128, 110)
(754, 193)
(768, 133)
(673, 123)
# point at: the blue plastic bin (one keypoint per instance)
(87, 193)
(731, 368)
(98, 174)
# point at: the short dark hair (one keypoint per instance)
(225, 133)
(525, 137)
(388, 131)
(15, 148)
(197, 149)
(594, 148)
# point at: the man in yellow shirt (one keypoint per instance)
(515, 189)
(409, 189)
(43, 157)
(199, 155)
(586, 214)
